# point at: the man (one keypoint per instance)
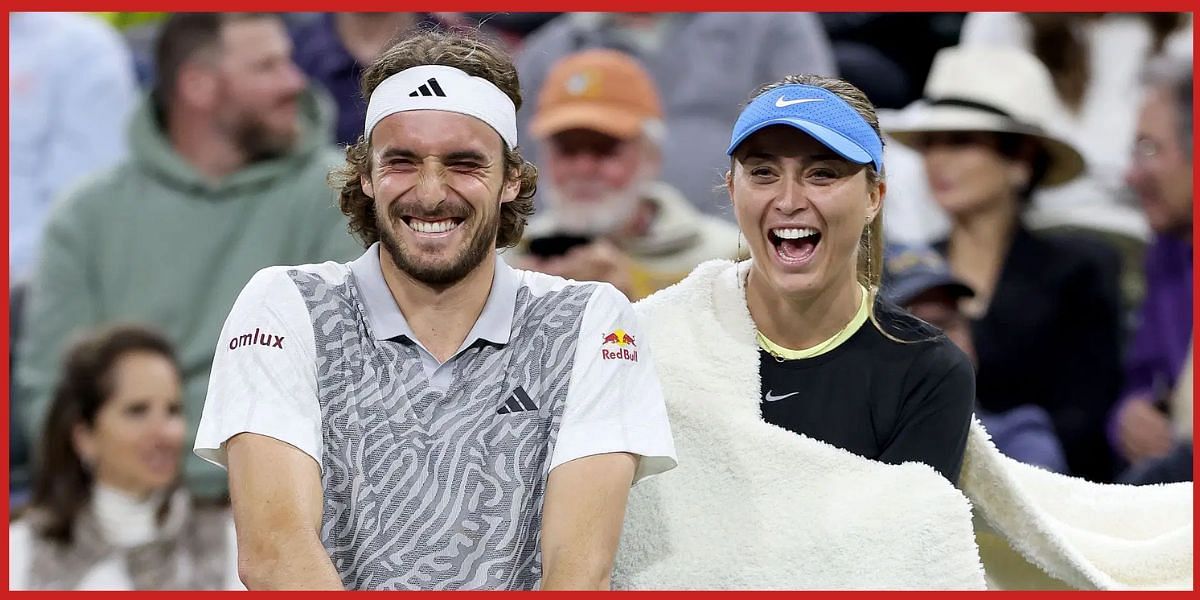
(703, 64)
(426, 417)
(1151, 426)
(599, 122)
(225, 176)
(918, 279)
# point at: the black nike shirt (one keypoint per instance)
(883, 399)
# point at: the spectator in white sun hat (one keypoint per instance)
(1046, 312)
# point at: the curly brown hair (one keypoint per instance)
(468, 52)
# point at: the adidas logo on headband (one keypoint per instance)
(425, 88)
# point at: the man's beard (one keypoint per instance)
(603, 216)
(478, 247)
(258, 141)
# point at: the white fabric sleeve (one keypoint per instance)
(264, 375)
(615, 401)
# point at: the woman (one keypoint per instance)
(791, 387)
(107, 512)
(1046, 312)
(832, 356)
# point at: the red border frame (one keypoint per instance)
(545, 5)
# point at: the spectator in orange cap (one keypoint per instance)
(703, 63)
(608, 216)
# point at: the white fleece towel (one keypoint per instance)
(753, 506)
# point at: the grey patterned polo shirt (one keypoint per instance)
(434, 474)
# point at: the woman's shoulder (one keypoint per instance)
(22, 536)
(28, 522)
(924, 346)
(20, 532)
(900, 327)
(207, 515)
(694, 289)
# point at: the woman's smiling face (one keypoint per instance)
(802, 208)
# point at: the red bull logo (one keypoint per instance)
(626, 346)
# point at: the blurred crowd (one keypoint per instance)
(1038, 210)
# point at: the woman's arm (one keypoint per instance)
(935, 418)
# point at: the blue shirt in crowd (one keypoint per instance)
(71, 89)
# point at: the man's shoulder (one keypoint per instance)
(720, 235)
(540, 285)
(316, 163)
(683, 236)
(102, 195)
(286, 279)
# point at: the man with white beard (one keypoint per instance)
(609, 217)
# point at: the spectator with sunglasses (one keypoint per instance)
(1046, 311)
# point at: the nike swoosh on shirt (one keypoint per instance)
(771, 397)
(781, 102)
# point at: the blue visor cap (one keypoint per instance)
(817, 112)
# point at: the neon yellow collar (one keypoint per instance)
(838, 338)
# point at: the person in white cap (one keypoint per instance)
(427, 417)
(1046, 316)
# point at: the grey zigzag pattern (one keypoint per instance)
(432, 490)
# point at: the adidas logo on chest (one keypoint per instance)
(519, 401)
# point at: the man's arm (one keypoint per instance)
(277, 506)
(1143, 431)
(614, 433)
(581, 520)
(262, 423)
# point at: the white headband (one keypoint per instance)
(438, 87)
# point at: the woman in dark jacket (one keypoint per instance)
(1046, 316)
